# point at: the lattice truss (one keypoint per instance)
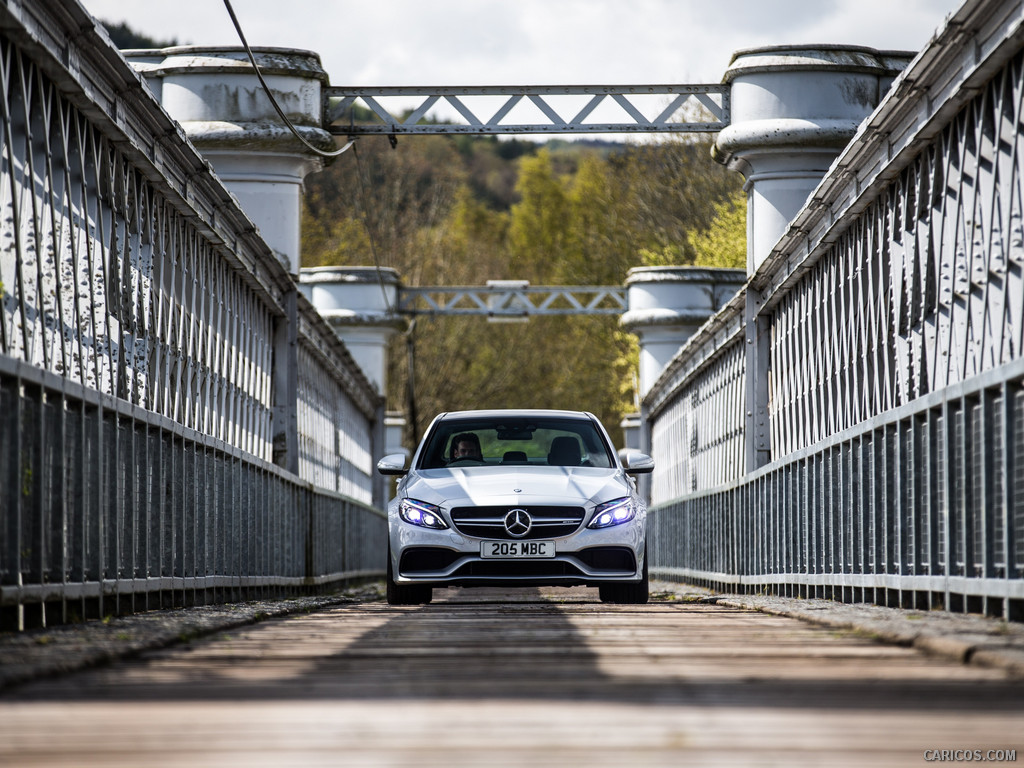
(513, 299)
(527, 109)
(924, 290)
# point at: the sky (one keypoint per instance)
(531, 42)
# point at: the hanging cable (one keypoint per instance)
(273, 101)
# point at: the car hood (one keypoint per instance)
(478, 486)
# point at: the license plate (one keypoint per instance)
(516, 549)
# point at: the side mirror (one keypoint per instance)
(392, 464)
(636, 463)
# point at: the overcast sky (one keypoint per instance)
(532, 42)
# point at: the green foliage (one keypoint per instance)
(724, 243)
(463, 210)
(537, 231)
(122, 36)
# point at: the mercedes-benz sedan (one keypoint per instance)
(516, 498)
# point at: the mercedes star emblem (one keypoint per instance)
(518, 522)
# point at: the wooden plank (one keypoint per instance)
(539, 677)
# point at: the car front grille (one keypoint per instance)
(424, 562)
(549, 522)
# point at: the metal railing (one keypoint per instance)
(881, 350)
(177, 424)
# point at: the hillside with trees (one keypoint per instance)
(464, 210)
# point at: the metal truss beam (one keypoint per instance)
(513, 299)
(528, 109)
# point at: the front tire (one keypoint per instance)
(406, 594)
(628, 592)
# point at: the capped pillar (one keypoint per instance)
(793, 110)
(216, 96)
(359, 303)
(667, 305)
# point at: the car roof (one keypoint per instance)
(518, 412)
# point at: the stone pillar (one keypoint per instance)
(794, 109)
(359, 303)
(667, 305)
(215, 95)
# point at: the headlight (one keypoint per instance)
(420, 513)
(613, 513)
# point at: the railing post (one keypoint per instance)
(755, 413)
(286, 386)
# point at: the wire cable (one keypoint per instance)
(273, 101)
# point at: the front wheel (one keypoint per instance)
(406, 594)
(629, 592)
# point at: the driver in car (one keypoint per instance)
(466, 446)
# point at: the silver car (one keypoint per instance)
(516, 498)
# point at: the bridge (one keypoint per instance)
(539, 677)
(188, 419)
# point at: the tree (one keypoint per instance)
(440, 211)
(722, 244)
(124, 37)
(537, 227)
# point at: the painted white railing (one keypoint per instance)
(177, 423)
(886, 328)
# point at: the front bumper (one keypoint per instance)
(448, 558)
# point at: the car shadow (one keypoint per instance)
(529, 644)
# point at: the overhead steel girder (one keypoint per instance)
(513, 299)
(609, 109)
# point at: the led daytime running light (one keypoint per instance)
(613, 512)
(422, 514)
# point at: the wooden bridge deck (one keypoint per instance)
(534, 677)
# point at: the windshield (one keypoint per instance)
(542, 441)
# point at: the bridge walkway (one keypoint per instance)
(529, 677)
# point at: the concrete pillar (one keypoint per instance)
(631, 433)
(794, 109)
(394, 429)
(667, 305)
(215, 95)
(359, 303)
